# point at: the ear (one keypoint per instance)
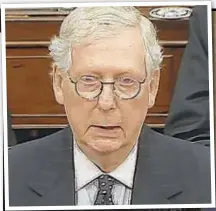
(57, 84)
(153, 87)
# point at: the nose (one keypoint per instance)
(106, 100)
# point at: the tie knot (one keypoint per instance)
(106, 181)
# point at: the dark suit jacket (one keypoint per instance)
(168, 171)
(189, 111)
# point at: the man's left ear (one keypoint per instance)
(153, 87)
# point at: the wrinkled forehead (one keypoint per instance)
(124, 51)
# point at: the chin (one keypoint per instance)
(105, 146)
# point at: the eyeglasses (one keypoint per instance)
(89, 87)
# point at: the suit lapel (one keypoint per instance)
(55, 180)
(153, 182)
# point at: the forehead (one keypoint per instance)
(122, 52)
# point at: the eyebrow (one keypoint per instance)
(97, 72)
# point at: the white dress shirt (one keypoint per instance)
(86, 184)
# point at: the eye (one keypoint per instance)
(126, 81)
(88, 79)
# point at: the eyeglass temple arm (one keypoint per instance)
(71, 78)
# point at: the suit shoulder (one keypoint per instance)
(23, 158)
(28, 148)
(187, 151)
(187, 154)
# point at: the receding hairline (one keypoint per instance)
(91, 40)
(73, 33)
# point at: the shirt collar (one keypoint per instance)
(86, 171)
(125, 172)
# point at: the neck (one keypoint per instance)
(108, 162)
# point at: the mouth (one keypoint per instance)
(111, 131)
(107, 127)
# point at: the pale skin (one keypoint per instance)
(108, 58)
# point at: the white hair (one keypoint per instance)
(85, 24)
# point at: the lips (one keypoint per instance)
(111, 131)
(107, 127)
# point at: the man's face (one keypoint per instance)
(107, 123)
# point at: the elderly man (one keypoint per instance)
(106, 73)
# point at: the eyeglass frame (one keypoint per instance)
(102, 86)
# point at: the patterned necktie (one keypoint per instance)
(104, 194)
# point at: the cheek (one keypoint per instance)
(77, 109)
(135, 111)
